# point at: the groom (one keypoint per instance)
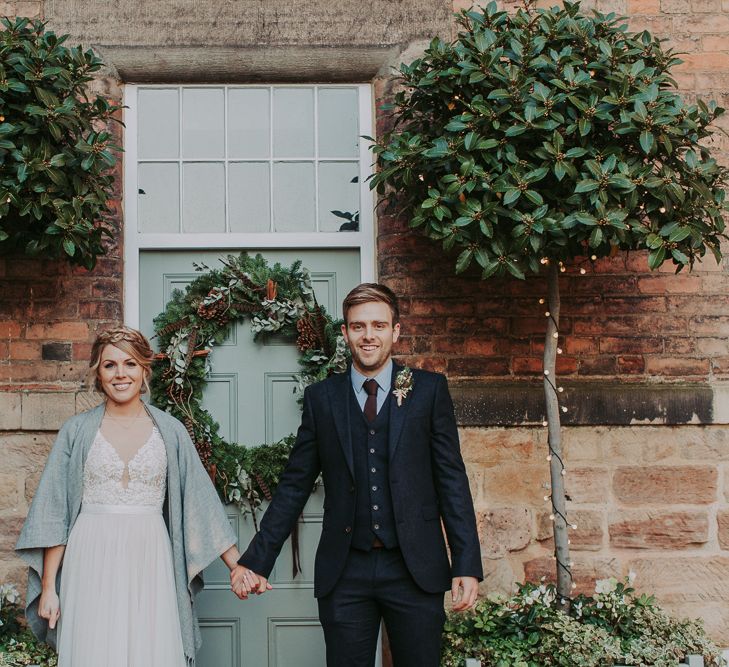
(387, 446)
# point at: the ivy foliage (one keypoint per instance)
(614, 626)
(279, 301)
(552, 134)
(55, 160)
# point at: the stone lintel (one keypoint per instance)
(591, 403)
(268, 64)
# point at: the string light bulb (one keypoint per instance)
(546, 313)
(545, 423)
(541, 301)
(593, 257)
(583, 272)
(564, 408)
(560, 389)
(555, 334)
(559, 350)
(546, 372)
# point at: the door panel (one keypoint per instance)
(250, 394)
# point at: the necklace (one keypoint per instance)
(125, 422)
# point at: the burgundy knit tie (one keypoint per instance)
(370, 406)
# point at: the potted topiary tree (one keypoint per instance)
(55, 152)
(537, 141)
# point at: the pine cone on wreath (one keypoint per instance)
(205, 452)
(307, 338)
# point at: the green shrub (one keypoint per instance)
(613, 627)
(18, 646)
(55, 158)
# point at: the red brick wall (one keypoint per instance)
(50, 312)
(619, 321)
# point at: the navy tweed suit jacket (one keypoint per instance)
(428, 483)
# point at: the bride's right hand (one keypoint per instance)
(49, 607)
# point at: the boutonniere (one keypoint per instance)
(403, 385)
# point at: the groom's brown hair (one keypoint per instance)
(367, 292)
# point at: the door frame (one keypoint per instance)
(136, 242)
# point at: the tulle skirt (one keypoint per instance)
(118, 599)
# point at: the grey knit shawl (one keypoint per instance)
(196, 521)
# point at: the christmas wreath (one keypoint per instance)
(277, 300)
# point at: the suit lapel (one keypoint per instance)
(398, 413)
(339, 388)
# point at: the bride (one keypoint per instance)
(125, 505)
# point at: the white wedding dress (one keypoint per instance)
(118, 599)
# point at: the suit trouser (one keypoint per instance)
(376, 585)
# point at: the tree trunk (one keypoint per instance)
(556, 466)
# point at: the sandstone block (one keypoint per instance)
(483, 445)
(31, 484)
(498, 576)
(722, 519)
(709, 443)
(25, 451)
(515, 484)
(587, 537)
(588, 485)
(9, 411)
(665, 484)
(658, 529)
(13, 571)
(8, 491)
(697, 579)
(47, 411)
(585, 572)
(9, 530)
(85, 400)
(503, 530)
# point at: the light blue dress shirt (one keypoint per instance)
(384, 382)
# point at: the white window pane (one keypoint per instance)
(338, 122)
(202, 123)
(158, 197)
(337, 192)
(203, 199)
(293, 197)
(248, 123)
(249, 190)
(293, 122)
(159, 123)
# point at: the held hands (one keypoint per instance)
(464, 591)
(49, 607)
(244, 581)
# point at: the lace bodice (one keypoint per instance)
(147, 473)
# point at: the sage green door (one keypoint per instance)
(250, 394)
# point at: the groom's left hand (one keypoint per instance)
(464, 591)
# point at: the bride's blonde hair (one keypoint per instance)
(129, 340)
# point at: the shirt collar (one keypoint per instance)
(383, 378)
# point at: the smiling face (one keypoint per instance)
(120, 375)
(370, 334)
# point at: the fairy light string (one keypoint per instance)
(565, 567)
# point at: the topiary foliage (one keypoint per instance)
(55, 158)
(553, 134)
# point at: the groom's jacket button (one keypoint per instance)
(372, 431)
(348, 529)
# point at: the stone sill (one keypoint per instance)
(592, 403)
